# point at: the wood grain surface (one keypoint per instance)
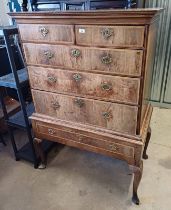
(122, 61)
(110, 36)
(48, 33)
(103, 87)
(112, 116)
(55, 132)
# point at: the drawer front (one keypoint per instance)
(112, 36)
(111, 88)
(47, 33)
(111, 61)
(55, 133)
(112, 116)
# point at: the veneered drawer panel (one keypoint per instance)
(55, 133)
(111, 61)
(111, 88)
(50, 33)
(117, 117)
(111, 36)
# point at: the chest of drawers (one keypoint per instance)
(90, 74)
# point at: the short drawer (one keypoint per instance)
(49, 33)
(112, 116)
(64, 135)
(105, 87)
(111, 36)
(111, 61)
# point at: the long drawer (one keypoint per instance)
(110, 88)
(50, 33)
(111, 61)
(112, 116)
(111, 36)
(87, 141)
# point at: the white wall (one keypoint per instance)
(4, 19)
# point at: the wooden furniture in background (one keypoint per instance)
(90, 74)
(17, 80)
(13, 106)
(58, 5)
(5, 63)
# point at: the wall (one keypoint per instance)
(161, 84)
(4, 20)
(6, 6)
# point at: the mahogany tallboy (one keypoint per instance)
(90, 74)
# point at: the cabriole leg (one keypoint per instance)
(137, 178)
(145, 156)
(40, 153)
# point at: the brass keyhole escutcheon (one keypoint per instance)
(48, 54)
(79, 102)
(44, 31)
(106, 59)
(52, 79)
(107, 33)
(106, 115)
(77, 77)
(106, 86)
(75, 53)
(51, 131)
(55, 105)
(113, 147)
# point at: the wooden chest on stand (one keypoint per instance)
(90, 74)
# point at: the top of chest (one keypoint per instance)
(117, 17)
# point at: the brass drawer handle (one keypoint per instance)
(106, 86)
(107, 33)
(106, 115)
(113, 147)
(77, 77)
(75, 53)
(106, 59)
(51, 131)
(52, 79)
(48, 54)
(79, 102)
(44, 31)
(55, 105)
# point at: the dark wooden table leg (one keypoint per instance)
(137, 178)
(2, 140)
(145, 156)
(40, 153)
(24, 5)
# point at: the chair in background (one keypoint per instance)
(18, 79)
(62, 5)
